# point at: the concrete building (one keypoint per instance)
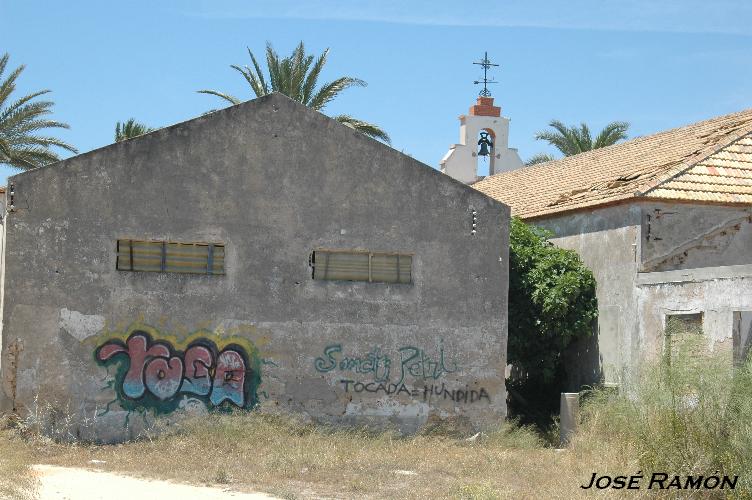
(263, 256)
(461, 161)
(665, 223)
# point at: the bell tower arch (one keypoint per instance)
(484, 134)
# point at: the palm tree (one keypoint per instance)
(297, 76)
(573, 140)
(20, 146)
(540, 158)
(130, 129)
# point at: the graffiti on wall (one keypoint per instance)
(384, 374)
(382, 368)
(426, 393)
(154, 372)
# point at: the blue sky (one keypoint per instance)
(655, 64)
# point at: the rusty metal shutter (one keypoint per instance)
(375, 267)
(387, 268)
(341, 266)
(162, 256)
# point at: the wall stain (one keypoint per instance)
(12, 354)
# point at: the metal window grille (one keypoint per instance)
(373, 267)
(169, 257)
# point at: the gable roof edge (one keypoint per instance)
(261, 101)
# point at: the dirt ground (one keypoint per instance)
(68, 483)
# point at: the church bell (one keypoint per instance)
(484, 143)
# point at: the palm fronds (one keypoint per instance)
(366, 128)
(21, 120)
(130, 129)
(611, 134)
(297, 76)
(539, 158)
(578, 139)
(227, 97)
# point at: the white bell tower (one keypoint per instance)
(483, 124)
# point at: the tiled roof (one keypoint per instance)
(708, 161)
(725, 176)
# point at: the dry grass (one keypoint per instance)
(16, 479)
(255, 452)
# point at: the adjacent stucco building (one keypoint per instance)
(263, 256)
(665, 223)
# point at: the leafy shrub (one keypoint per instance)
(551, 304)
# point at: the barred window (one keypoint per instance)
(169, 257)
(373, 267)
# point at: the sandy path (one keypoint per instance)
(65, 483)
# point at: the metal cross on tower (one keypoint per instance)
(485, 63)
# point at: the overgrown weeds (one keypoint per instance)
(689, 414)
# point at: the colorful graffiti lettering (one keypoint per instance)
(463, 396)
(412, 361)
(154, 373)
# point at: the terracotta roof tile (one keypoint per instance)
(709, 161)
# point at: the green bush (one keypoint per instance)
(551, 301)
(551, 304)
(687, 414)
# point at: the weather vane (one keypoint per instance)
(485, 63)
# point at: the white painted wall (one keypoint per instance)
(461, 161)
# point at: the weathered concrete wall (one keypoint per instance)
(273, 181)
(607, 240)
(653, 259)
(716, 293)
(695, 259)
(688, 236)
(4, 402)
